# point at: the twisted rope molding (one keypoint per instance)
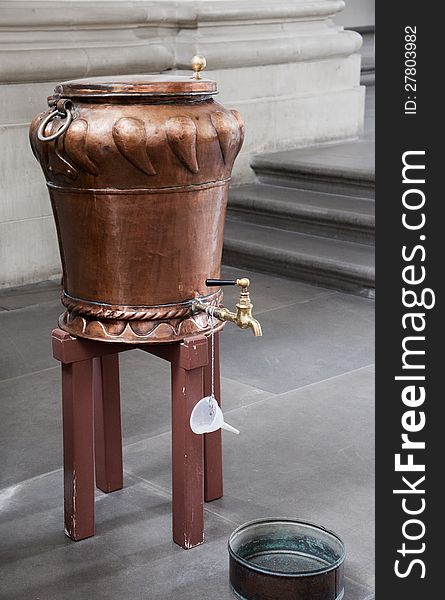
(154, 313)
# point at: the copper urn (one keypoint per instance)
(138, 172)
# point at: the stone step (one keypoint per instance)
(334, 263)
(345, 168)
(305, 211)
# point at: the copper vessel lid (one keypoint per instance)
(136, 85)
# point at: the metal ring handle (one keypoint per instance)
(49, 117)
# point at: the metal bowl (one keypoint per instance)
(273, 559)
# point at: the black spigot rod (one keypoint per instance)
(218, 282)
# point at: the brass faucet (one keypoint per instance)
(243, 315)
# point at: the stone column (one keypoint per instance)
(286, 66)
(292, 73)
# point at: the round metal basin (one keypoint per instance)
(273, 559)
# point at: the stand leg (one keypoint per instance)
(107, 423)
(187, 447)
(213, 471)
(78, 452)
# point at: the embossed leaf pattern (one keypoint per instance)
(40, 151)
(67, 168)
(130, 138)
(33, 136)
(75, 142)
(228, 134)
(241, 126)
(181, 135)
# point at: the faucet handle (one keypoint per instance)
(244, 282)
(218, 282)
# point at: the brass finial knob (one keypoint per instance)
(198, 64)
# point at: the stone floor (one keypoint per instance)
(302, 396)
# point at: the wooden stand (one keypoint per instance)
(92, 438)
